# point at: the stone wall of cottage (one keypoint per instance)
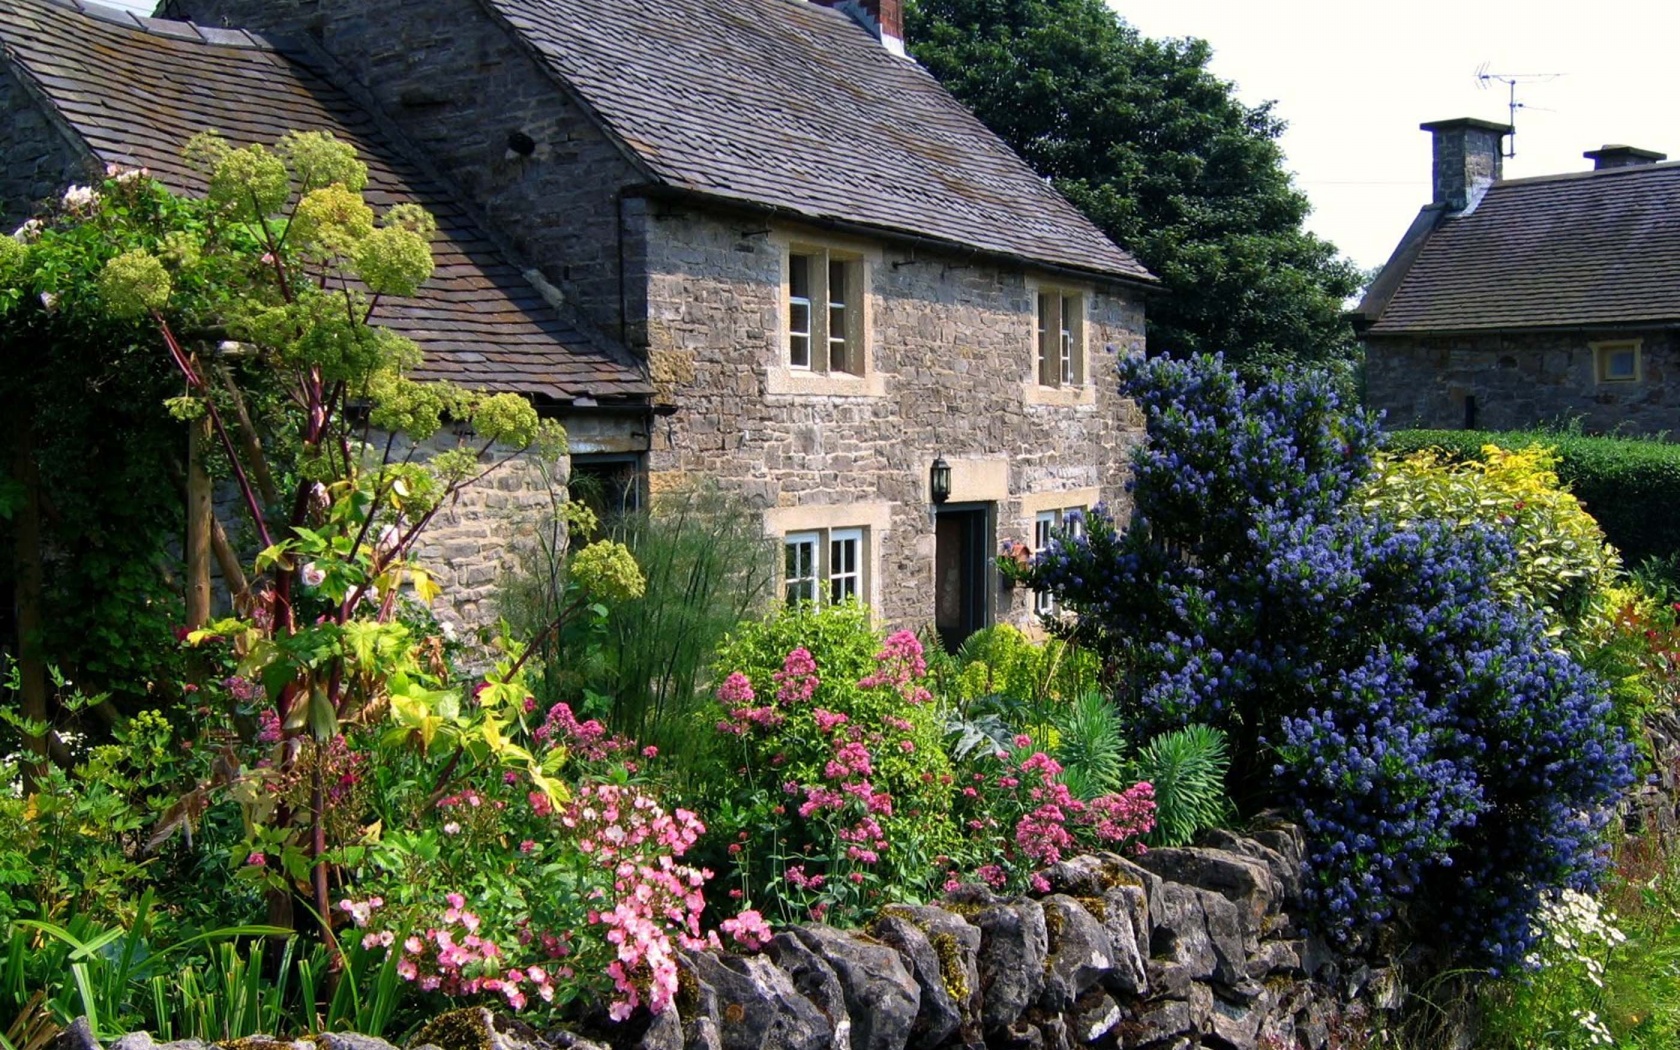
(485, 112)
(40, 162)
(951, 342)
(1520, 381)
(494, 525)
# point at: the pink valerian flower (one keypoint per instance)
(736, 690)
(1039, 883)
(269, 730)
(797, 681)
(796, 877)
(452, 958)
(742, 718)
(587, 740)
(242, 689)
(1127, 815)
(819, 799)
(828, 721)
(898, 664)
(747, 929)
(852, 759)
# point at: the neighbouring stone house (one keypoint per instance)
(747, 240)
(1516, 302)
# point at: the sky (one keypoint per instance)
(1355, 79)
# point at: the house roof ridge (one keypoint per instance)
(1568, 176)
(175, 29)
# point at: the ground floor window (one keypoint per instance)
(1066, 521)
(824, 564)
(1617, 362)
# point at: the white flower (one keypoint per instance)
(452, 828)
(80, 198)
(123, 175)
(50, 301)
(313, 575)
(29, 232)
(447, 629)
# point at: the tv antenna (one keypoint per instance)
(1511, 80)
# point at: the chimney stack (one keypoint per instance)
(884, 18)
(1613, 156)
(1469, 157)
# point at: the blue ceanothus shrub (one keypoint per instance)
(1439, 752)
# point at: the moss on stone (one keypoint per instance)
(461, 1029)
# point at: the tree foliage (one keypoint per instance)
(1163, 157)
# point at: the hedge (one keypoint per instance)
(1630, 485)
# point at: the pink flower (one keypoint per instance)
(748, 929)
(797, 681)
(736, 690)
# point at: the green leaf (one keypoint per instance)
(323, 717)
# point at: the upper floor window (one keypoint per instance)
(824, 311)
(1061, 337)
(1618, 362)
(1066, 521)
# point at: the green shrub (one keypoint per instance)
(1187, 768)
(1563, 568)
(707, 566)
(1626, 484)
(1091, 746)
(816, 706)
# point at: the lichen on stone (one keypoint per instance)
(951, 968)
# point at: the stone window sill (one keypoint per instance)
(823, 384)
(1034, 394)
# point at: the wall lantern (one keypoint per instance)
(939, 480)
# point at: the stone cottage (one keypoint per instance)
(1516, 302)
(747, 240)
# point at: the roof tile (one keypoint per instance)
(137, 89)
(1586, 249)
(792, 105)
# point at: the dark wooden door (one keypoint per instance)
(962, 572)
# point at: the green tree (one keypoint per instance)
(1160, 154)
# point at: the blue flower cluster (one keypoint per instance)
(1449, 765)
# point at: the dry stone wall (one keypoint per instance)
(1179, 948)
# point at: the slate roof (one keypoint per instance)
(136, 89)
(794, 106)
(1590, 249)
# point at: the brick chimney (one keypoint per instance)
(1469, 157)
(884, 18)
(1614, 156)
